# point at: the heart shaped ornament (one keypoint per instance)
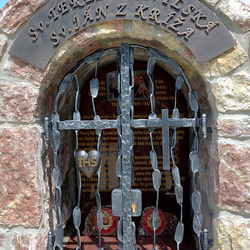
(88, 163)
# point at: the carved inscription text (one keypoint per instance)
(189, 20)
(172, 14)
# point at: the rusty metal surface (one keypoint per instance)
(190, 21)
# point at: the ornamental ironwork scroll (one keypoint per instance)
(127, 202)
(190, 21)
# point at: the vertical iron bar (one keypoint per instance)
(126, 153)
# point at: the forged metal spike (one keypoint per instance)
(55, 140)
(57, 177)
(75, 83)
(178, 82)
(156, 176)
(151, 66)
(153, 159)
(176, 175)
(150, 86)
(77, 217)
(155, 219)
(193, 101)
(152, 102)
(77, 104)
(99, 219)
(98, 200)
(99, 143)
(179, 233)
(94, 87)
(62, 87)
(59, 236)
(58, 197)
(195, 164)
(56, 160)
(196, 202)
(77, 99)
(173, 65)
(195, 143)
(179, 194)
(64, 84)
(79, 186)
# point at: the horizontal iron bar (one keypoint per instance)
(87, 124)
(138, 123)
(156, 123)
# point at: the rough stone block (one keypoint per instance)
(16, 12)
(238, 127)
(21, 242)
(238, 12)
(231, 93)
(29, 241)
(20, 202)
(233, 178)
(24, 70)
(231, 232)
(18, 102)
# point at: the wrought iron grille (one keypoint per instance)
(126, 202)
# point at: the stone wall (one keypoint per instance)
(27, 95)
